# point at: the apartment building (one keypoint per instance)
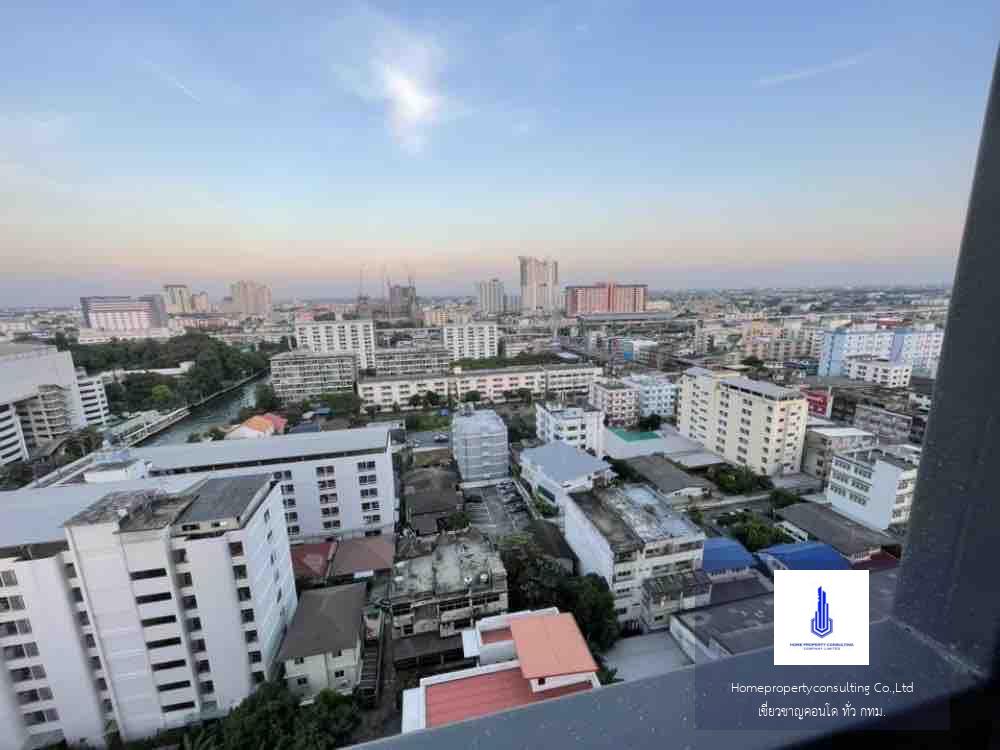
(338, 483)
(605, 298)
(919, 346)
(471, 340)
(410, 361)
(339, 337)
(491, 385)
(657, 393)
(650, 555)
(250, 298)
(581, 427)
(539, 284)
(178, 299)
(554, 470)
(93, 399)
(618, 401)
(303, 374)
(754, 424)
(491, 297)
(479, 444)
(141, 609)
(442, 586)
(41, 399)
(875, 485)
(822, 443)
(888, 426)
(877, 370)
(124, 313)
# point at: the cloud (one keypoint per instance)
(811, 72)
(170, 80)
(378, 59)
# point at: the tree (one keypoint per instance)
(753, 362)
(216, 434)
(194, 437)
(18, 473)
(509, 395)
(267, 718)
(416, 400)
(371, 411)
(395, 407)
(265, 398)
(525, 394)
(471, 397)
(456, 521)
(782, 499)
(624, 471)
(651, 423)
(431, 399)
(161, 395)
(328, 723)
(342, 403)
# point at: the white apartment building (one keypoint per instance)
(441, 316)
(250, 298)
(539, 285)
(556, 469)
(338, 483)
(754, 424)
(40, 399)
(875, 485)
(491, 297)
(411, 360)
(339, 337)
(101, 336)
(303, 374)
(822, 443)
(124, 313)
(138, 610)
(650, 555)
(93, 398)
(178, 299)
(619, 402)
(581, 427)
(657, 393)
(491, 385)
(877, 370)
(471, 340)
(919, 347)
(479, 444)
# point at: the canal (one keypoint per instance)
(217, 413)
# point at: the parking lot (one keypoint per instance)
(498, 510)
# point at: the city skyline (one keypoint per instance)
(800, 145)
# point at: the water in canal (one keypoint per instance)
(217, 413)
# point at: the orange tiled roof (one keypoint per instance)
(551, 645)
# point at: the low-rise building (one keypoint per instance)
(808, 522)
(524, 658)
(303, 374)
(479, 444)
(888, 426)
(657, 394)
(555, 469)
(442, 586)
(875, 485)
(822, 443)
(726, 559)
(677, 485)
(884, 372)
(803, 556)
(649, 554)
(258, 426)
(619, 402)
(324, 646)
(411, 361)
(430, 494)
(579, 426)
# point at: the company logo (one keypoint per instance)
(821, 625)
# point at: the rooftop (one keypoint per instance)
(634, 436)
(835, 432)
(550, 646)
(900, 456)
(664, 475)
(847, 536)
(223, 497)
(807, 556)
(431, 490)
(722, 553)
(214, 453)
(477, 422)
(310, 354)
(361, 554)
(326, 621)
(563, 462)
(634, 515)
(312, 560)
(453, 563)
(550, 540)
(762, 388)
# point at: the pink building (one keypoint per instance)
(605, 298)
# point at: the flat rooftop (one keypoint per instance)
(634, 436)
(454, 563)
(845, 535)
(834, 432)
(223, 497)
(761, 388)
(901, 456)
(664, 475)
(431, 490)
(632, 516)
(274, 448)
(563, 462)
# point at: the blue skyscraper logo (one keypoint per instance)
(822, 625)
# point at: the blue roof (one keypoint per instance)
(807, 556)
(723, 553)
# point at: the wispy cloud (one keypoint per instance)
(169, 79)
(803, 74)
(377, 58)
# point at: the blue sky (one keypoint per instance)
(675, 143)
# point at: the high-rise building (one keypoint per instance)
(479, 444)
(619, 402)
(754, 424)
(250, 298)
(403, 300)
(142, 608)
(200, 302)
(178, 298)
(491, 297)
(43, 397)
(124, 313)
(581, 427)
(339, 336)
(302, 374)
(471, 341)
(657, 393)
(605, 298)
(919, 347)
(539, 285)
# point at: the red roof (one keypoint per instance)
(496, 636)
(278, 422)
(878, 561)
(551, 645)
(312, 560)
(471, 697)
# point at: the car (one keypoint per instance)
(440, 438)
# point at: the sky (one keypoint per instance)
(303, 144)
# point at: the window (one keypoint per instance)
(142, 575)
(291, 517)
(250, 636)
(70, 570)
(258, 677)
(165, 620)
(293, 530)
(243, 593)
(173, 685)
(298, 660)
(8, 578)
(163, 596)
(255, 657)
(302, 681)
(206, 687)
(247, 615)
(366, 465)
(331, 524)
(239, 572)
(338, 673)
(189, 602)
(167, 665)
(163, 643)
(369, 492)
(184, 579)
(330, 511)
(198, 645)
(185, 706)
(203, 666)
(236, 549)
(180, 555)
(193, 624)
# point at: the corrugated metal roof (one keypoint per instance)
(722, 553)
(807, 556)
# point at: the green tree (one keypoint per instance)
(651, 423)
(342, 404)
(416, 400)
(456, 521)
(782, 499)
(525, 394)
(265, 398)
(161, 395)
(194, 437)
(216, 433)
(396, 408)
(328, 723)
(431, 399)
(754, 362)
(593, 605)
(267, 718)
(471, 397)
